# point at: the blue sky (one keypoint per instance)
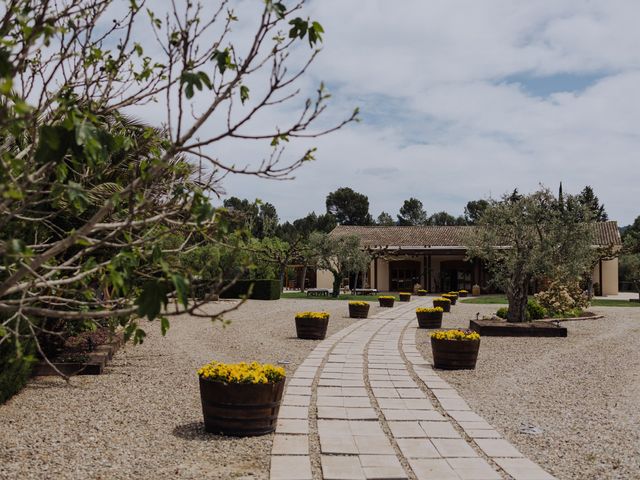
(462, 100)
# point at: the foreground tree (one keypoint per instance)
(527, 237)
(339, 255)
(88, 201)
(349, 207)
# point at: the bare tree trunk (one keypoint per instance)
(337, 283)
(517, 295)
(282, 270)
(304, 278)
(355, 283)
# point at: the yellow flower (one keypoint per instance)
(314, 315)
(386, 297)
(358, 304)
(429, 310)
(442, 299)
(456, 334)
(241, 372)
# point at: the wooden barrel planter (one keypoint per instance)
(240, 409)
(446, 306)
(359, 311)
(462, 294)
(455, 354)
(453, 298)
(429, 319)
(405, 297)
(422, 293)
(386, 302)
(311, 328)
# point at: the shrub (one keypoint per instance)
(262, 289)
(15, 370)
(535, 311)
(502, 312)
(559, 299)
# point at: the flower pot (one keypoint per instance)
(455, 354)
(463, 294)
(386, 302)
(422, 293)
(405, 297)
(453, 300)
(358, 311)
(312, 328)
(429, 319)
(446, 306)
(240, 409)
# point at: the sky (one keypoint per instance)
(465, 100)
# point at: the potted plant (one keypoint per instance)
(463, 293)
(443, 303)
(451, 296)
(386, 300)
(429, 317)
(241, 399)
(358, 309)
(455, 349)
(312, 325)
(422, 292)
(405, 296)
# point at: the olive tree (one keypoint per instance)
(522, 238)
(340, 255)
(88, 197)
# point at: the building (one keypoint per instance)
(435, 257)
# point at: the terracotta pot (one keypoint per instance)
(358, 311)
(446, 306)
(455, 354)
(240, 409)
(405, 297)
(386, 302)
(312, 328)
(429, 319)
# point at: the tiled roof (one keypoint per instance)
(606, 234)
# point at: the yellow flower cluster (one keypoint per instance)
(429, 310)
(314, 315)
(458, 335)
(441, 299)
(405, 294)
(386, 297)
(422, 291)
(358, 304)
(449, 295)
(463, 291)
(242, 372)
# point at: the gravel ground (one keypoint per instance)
(582, 391)
(143, 418)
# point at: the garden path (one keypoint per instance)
(378, 410)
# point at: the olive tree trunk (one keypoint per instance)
(337, 283)
(518, 295)
(304, 278)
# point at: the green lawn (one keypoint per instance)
(502, 300)
(365, 298)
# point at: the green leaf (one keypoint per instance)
(164, 325)
(244, 93)
(151, 300)
(223, 59)
(182, 289)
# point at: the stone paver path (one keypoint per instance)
(378, 410)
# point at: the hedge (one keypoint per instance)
(14, 371)
(262, 289)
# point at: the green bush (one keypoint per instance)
(535, 311)
(502, 312)
(15, 371)
(262, 289)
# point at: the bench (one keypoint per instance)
(365, 291)
(318, 292)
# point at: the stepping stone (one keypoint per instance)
(473, 469)
(373, 445)
(448, 447)
(284, 467)
(338, 467)
(290, 445)
(439, 430)
(417, 448)
(288, 425)
(342, 444)
(382, 467)
(296, 400)
(288, 411)
(359, 428)
(407, 414)
(523, 469)
(497, 447)
(432, 468)
(406, 430)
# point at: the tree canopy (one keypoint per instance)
(412, 213)
(349, 207)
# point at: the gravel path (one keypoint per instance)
(582, 391)
(143, 419)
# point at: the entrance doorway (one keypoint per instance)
(404, 274)
(456, 275)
